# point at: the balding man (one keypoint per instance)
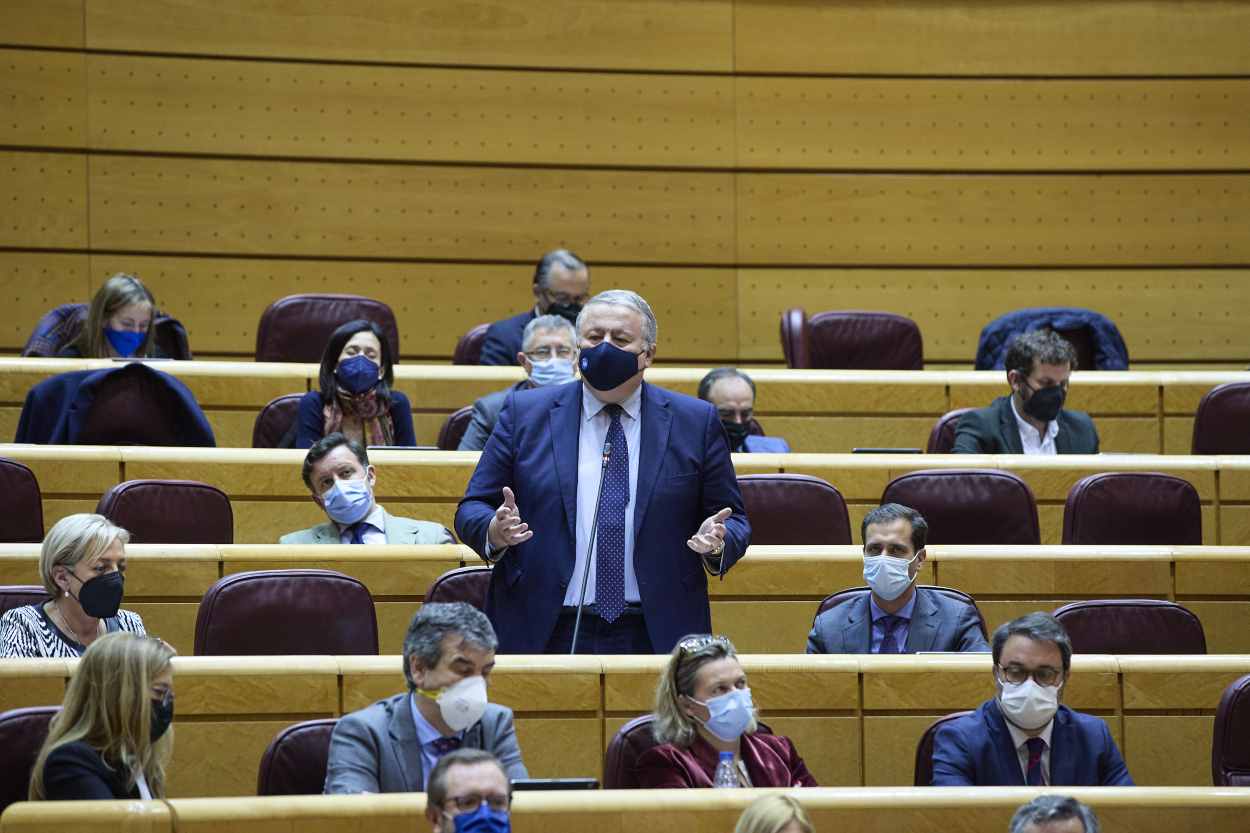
(561, 287)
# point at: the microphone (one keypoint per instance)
(590, 547)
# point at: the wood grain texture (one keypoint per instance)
(43, 200)
(57, 23)
(45, 97)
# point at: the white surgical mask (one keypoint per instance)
(1028, 705)
(553, 371)
(461, 704)
(889, 577)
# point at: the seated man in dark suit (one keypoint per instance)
(732, 393)
(561, 287)
(896, 616)
(394, 744)
(549, 356)
(1031, 420)
(1023, 737)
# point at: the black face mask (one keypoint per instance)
(101, 597)
(737, 432)
(162, 716)
(566, 311)
(1045, 403)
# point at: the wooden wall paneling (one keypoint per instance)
(569, 34)
(100, 817)
(992, 124)
(37, 283)
(43, 200)
(44, 95)
(32, 682)
(57, 23)
(993, 220)
(428, 114)
(262, 207)
(1139, 37)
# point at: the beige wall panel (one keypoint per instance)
(1153, 683)
(1107, 575)
(98, 817)
(828, 745)
(232, 429)
(43, 200)
(257, 685)
(35, 283)
(1198, 574)
(173, 622)
(393, 619)
(54, 510)
(32, 682)
(43, 22)
(657, 34)
(69, 469)
(1225, 623)
(997, 612)
(44, 94)
(265, 521)
(1178, 435)
(1168, 750)
(1139, 37)
(561, 747)
(764, 626)
(993, 124)
(816, 435)
(429, 114)
(1234, 525)
(1128, 435)
(993, 220)
(843, 391)
(342, 209)
(218, 758)
(890, 748)
(1152, 308)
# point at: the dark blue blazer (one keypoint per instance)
(976, 750)
(684, 475)
(503, 339)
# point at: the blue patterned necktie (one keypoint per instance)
(889, 643)
(358, 532)
(1033, 771)
(610, 539)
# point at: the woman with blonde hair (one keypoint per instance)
(119, 322)
(83, 566)
(111, 738)
(774, 814)
(703, 710)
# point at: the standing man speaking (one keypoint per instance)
(669, 510)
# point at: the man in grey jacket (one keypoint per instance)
(393, 745)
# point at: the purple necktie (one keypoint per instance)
(610, 539)
(1033, 772)
(442, 746)
(889, 644)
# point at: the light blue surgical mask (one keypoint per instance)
(730, 714)
(348, 501)
(124, 342)
(889, 577)
(553, 371)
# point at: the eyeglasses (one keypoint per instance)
(469, 803)
(1043, 675)
(544, 353)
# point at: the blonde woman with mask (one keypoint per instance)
(774, 814)
(119, 322)
(112, 737)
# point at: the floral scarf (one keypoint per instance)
(373, 411)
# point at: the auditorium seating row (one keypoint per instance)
(765, 604)
(855, 719)
(814, 410)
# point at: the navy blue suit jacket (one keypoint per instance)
(976, 750)
(503, 339)
(684, 475)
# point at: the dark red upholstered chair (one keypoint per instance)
(22, 733)
(1132, 626)
(942, 437)
(297, 327)
(924, 749)
(1132, 507)
(794, 509)
(133, 406)
(464, 584)
(452, 432)
(626, 747)
(20, 595)
(1230, 747)
(170, 512)
(295, 761)
(969, 506)
(847, 339)
(469, 346)
(846, 596)
(22, 519)
(274, 424)
(272, 612)
(1222, 422)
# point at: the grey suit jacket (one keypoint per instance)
(937, 624)
(376, 749)
(398, 531)
(485, 414)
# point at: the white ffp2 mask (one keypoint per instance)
(889, 577)
(1028, 705)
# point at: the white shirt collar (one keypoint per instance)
(376, 519)
(591, 404)
(1052, 427)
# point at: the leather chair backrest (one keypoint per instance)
(22, 733)
(274, 612)
(1230, 747)
(274, 424)
(452, 432)
(133, 407)
(794, 343)
(464, 584)
(297, 327)
(170, 512)
(20, 595)
(969, 506)
(795, 509)
(627, 746)
(855, 340)
(754, 428)
(846, 596)
(295, 761)
(1082, 341)
(923, 775)
(942, 437)
(1222, 422)
(1132, 507)
(22, 519)
(1132, 626)
(469, 346)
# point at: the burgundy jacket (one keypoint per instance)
(771, 761)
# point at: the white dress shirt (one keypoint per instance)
(375, 531)
(1030, 440)
(1020, 739)
(593, 433)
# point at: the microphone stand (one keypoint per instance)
(591, 548)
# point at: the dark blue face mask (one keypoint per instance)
(606, 366)
(359, 374)
(483, 820)
(124, 342)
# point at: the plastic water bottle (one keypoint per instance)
(726, 773)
